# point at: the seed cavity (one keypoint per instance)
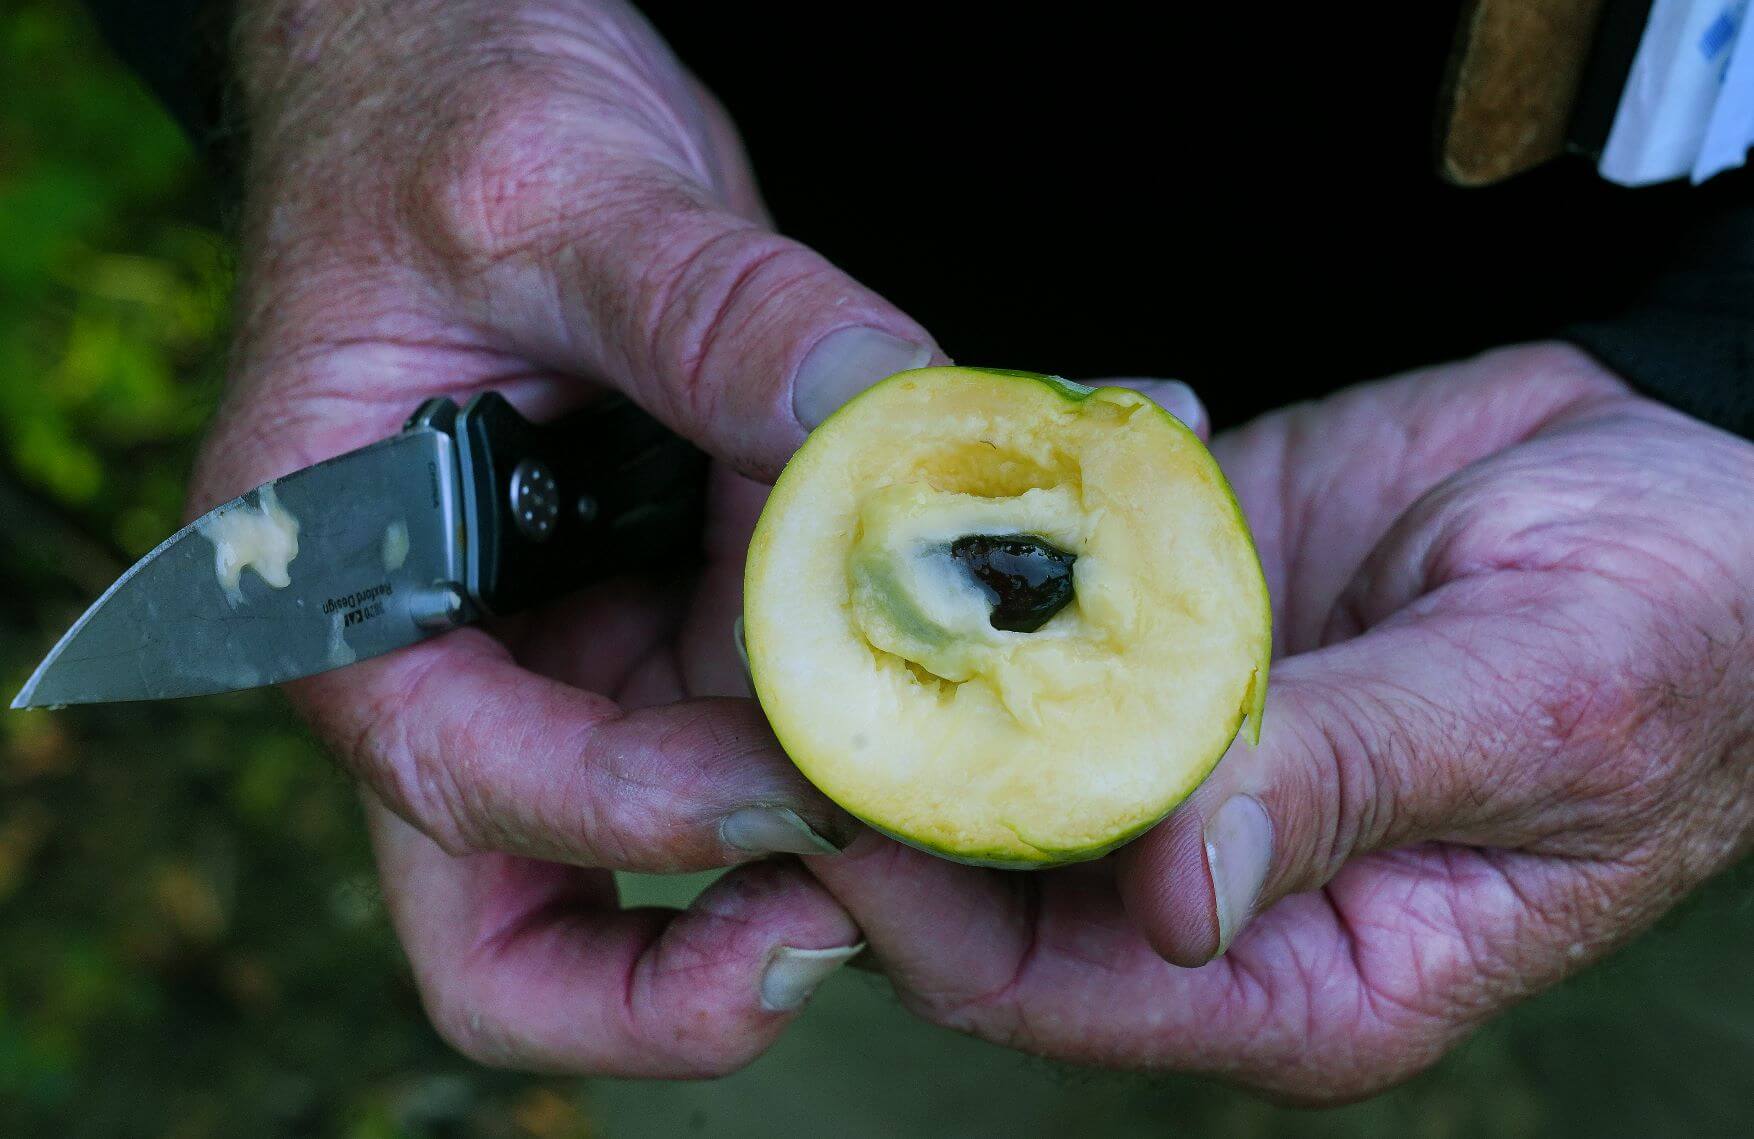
(1027, 579)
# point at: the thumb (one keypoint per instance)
(738, 338)
(1381, 741)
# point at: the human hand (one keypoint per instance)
(448, 197)
(1509, 726)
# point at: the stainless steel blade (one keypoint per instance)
(218, 606)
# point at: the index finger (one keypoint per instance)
(481, 754)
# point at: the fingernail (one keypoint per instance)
(772, 830)
(845, 363)
(1239, 845)
(793, 974)
(1180, 401)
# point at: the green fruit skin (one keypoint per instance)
(1249, 714)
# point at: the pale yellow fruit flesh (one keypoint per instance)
(885, 684)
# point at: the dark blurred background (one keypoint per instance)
(190, 938)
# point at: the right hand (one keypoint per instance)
(447, 197)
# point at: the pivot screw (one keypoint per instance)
(535, 501)
(438, 607)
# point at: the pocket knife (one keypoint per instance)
(463, 514)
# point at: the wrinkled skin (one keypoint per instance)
(448, 197)
(1509, 725)
(1506, 732)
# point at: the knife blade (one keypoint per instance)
(464, 513)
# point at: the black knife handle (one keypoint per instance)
(602, 492)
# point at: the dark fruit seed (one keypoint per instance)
(1027, 579)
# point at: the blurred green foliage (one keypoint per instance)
(110, 290)
(191, 940)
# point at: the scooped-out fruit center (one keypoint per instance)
(964, 585)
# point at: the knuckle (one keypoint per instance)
(1465, 521)
(1576, 722)
(705, 1035)
(456, 797)
(606, 816)
(1582, 707)
(1603, 727)
(430, 787)
(486, 178)
(658, 801)
(994, 1004)
(1659, 784)
(719, 281)
(510, 175)
(1335, 800)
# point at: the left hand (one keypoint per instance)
(1510, 726)
(447, 197)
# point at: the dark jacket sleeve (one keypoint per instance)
(1688, 341)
